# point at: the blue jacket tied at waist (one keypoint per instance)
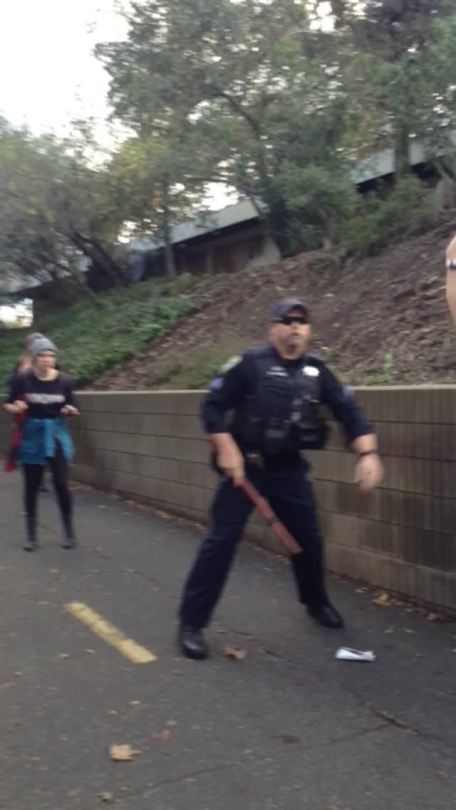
(39, 440)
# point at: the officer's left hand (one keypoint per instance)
(69, 410)
(369, 472)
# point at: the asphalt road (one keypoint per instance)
(288, 727)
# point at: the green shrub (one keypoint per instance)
(92, 338)
(409, 209)
(312, 202)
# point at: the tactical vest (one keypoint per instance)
(283, 412)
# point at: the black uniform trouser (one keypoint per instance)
(291, 497)
(33, 477)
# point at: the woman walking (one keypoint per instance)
(45, 396)
(23, 365)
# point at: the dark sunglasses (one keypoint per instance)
(289, 320)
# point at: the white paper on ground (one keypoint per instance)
(349, 654)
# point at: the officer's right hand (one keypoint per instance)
(231, 462)
(228, 457)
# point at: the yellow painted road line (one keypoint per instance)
(105, 630)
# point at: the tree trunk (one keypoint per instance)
(81, 280)
(401, 153)
(170, 264)
(327, 227)
(100, 257)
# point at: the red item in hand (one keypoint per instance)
(16, 438)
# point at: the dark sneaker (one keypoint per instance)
(30, 544)
(69, 538)
(327, 616)
(192, 643)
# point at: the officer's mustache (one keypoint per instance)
(294, 341)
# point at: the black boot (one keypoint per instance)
(327, 615)
(192, 643)
(309, 578)
(69, 540)
(30, 543)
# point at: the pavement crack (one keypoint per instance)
(189, 775)
(394, 722)
(355, 734)
(272, 653)
(391, 720)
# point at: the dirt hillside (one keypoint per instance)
(381, 320)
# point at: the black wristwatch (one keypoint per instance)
(368, 453)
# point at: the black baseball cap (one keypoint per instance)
(285, 306)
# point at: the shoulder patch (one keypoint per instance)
(216, 384)
(231, 363)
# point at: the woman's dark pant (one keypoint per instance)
(33, 477)
(291, 497)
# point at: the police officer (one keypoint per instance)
(276, 393)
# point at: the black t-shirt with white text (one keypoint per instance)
(45, 398)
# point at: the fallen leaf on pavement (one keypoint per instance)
(122, 753)
(235, 653)
(163, 736)
(107, 797)
(289, 739)
(383, 599)
(433, 617)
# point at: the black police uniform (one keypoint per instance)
(277, 408)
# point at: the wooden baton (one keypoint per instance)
(270, 517)
(260, 503)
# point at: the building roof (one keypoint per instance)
(380, 164)
(205, 222)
